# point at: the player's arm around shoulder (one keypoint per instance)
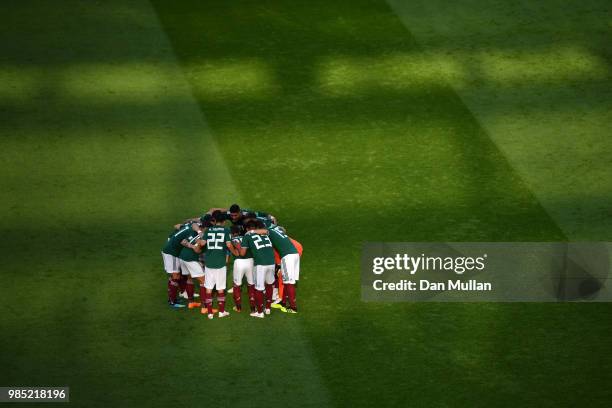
(198, 247)
(242, 248)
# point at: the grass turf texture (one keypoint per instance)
(349, 121)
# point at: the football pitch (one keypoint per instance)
(350, 121)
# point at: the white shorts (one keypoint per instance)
(171, 263)
(215, 277)
(263, 274)
(243, 268)
(192, 268)
(290, 268)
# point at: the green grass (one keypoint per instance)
(349, 121)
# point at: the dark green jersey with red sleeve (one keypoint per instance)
(174, 231)
(173, 245)
(260, 247)
(238, 241)
(216, 238)
(281, 241)
(188, 254)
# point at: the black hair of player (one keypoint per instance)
(250, 225)
(236, 230)
(218, 216)
(235, 208)
(260, 224)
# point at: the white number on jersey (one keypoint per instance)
(261, 241)
(215, 240)
(279, 232)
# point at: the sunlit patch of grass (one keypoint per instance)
(405, 71)
(554, 66)
(346, 75)
(121, 82)
(141, 82)
(227, 79)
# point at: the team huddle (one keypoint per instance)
(263, 254)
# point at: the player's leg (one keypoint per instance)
(202, 282)
(220, 278)
(195, 272)
(173, 284)
(277, 287)
(259, 278)
(171, 266)
(237, 274)
(269, 278)
(248, 274)
(189, 286)
(209, 284)
(227, 259)
(279, 303)
(290, 265)
(186, 287)
(190, 289)
(183, 285)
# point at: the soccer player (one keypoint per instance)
(263, 254)
(217, 240)
(289, 261)
(170, 256)
(240, 216)
(192, 247)
(183, 279)
(243, 268)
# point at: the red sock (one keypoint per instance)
(269, 290)
(182, 283)
(208, 301)
(259, 297)
(251, 290)
(202, 293)
(172, 290)
(221, 301)
(190, 290)
(238, 296)
(290, 289)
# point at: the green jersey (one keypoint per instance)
(173, 245)
(238, 241)
(260, 215)
(281, 241)
(266, 220)
(261, 247)
(217, 238)
(264, 217)
(188, 254)
(174, 231)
